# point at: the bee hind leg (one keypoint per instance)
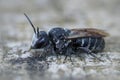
(86, 50)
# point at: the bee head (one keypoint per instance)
(40, 38)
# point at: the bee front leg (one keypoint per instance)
(47, 51)
(27, 50)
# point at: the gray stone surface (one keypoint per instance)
(16, 34)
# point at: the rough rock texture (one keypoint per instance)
(16, 34)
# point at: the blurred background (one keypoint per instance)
(16, 32)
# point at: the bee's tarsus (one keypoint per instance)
(27, 50)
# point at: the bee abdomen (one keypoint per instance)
(95, 44)
(99, 45)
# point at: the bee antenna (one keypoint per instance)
(37, 31)
(30, 22)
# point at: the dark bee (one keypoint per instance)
(69, 41)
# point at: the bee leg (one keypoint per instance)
(43, 55)
(82, 56)
(68, 53)
(108, 57)
(46, 52)
(57, 55)
(92, 54)
(65, 59)
(89, 52)
(27, 50)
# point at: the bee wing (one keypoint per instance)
(85, 32)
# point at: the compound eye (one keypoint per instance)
(40, 43)
(41, 40)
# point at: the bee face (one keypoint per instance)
(40, 40)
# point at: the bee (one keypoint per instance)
(69, 41)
